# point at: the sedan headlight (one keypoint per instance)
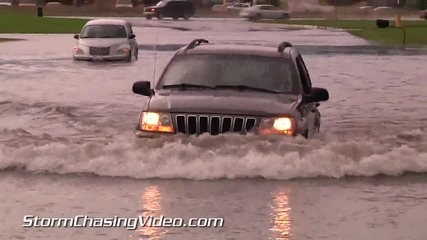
(281, 125)
(77, 51)
(123, 51)
(156, 122)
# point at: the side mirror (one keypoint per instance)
(142, 88)
(132, 36)
(76, 36)
(317, 95)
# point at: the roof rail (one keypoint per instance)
(195, 43)
(282, 46)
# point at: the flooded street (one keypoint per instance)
(67, 144)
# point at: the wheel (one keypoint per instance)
(257, 17)
(285, 16)
(160, 16)
(175, 17)
(148, 17)
(136, 54)
(129, 58)
(186, 17)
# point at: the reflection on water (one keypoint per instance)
(151, 207)
(281, 216)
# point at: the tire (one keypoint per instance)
(148, 17)
(285, 16)
(129, 58)
(160, 16)
(257, 17)
(175, 18)
(186, 17)
(136, 54)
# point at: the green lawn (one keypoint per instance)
(19, 23)
(416, 31)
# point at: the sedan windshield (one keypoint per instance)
(104, 31)
(234, 72)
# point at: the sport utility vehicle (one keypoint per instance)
(171, 8)
(216, 88)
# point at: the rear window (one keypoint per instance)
(272, 73)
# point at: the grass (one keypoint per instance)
(20, 23)
(416, 31)
(93, 11)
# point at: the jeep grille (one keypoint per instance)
(199, 124)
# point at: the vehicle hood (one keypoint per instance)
(102, 42)
(222, 102)
(151, 7)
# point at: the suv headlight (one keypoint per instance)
(280, 125)
(156, 122)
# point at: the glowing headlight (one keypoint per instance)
(122, 51)
(283, 125)
(78, 51)
(156, 122)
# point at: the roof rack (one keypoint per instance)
(195, 43)
(282, 46)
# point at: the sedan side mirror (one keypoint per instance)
(317, 95)
(142, 88)
(132, 36)
(76, 36)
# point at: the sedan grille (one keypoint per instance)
(99, 51)
(199, 124)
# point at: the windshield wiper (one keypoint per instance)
(186, 85)
(243, 87)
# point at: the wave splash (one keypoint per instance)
(230, 157)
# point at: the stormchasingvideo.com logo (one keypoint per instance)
(84, 221)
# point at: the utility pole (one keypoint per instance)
(336, 9)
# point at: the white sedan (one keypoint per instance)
(257, 12)
(106, 39)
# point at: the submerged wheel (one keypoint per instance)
(129, 58)
(148, 17)
(160, 16)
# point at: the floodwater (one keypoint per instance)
(67, 144)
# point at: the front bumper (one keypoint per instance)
(154, 135)
(100, 58)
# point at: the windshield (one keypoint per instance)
(161, 4)
(103, 31)
(256, 72)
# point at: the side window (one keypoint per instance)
(305, 78)
(130, 28)
(306, 71)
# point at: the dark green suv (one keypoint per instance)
(173, 9)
